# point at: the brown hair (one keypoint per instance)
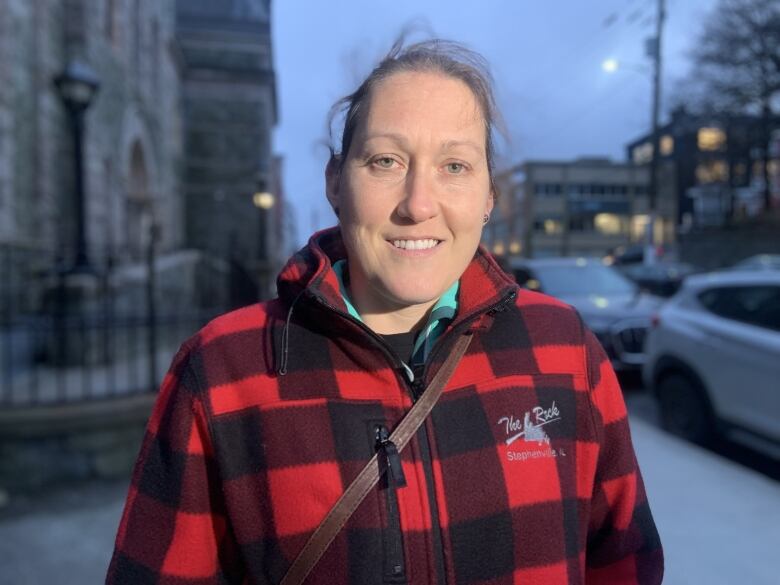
(436, 55)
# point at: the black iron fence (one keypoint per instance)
(112, 330)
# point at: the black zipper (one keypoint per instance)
(393, 564)
(418, 387)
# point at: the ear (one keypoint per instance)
(332, 176)
(490, 202)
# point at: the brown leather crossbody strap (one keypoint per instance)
(368, 477)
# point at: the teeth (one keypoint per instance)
(415, 244)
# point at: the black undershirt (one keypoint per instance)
(402, 344)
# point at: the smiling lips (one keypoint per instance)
(424, 244)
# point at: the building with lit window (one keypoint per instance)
(718, 165)
(583, 207)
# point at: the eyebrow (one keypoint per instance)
(447, 145)
(399, 138)
(467, 143)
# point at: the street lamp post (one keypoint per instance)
(655, 53)
(264, 201)
(77, 86)
(612, 65)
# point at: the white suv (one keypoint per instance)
(713, 359)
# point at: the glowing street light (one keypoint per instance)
(610, 65)
(263, 200)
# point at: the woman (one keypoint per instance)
(524, 471)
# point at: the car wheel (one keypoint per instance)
(685, 410)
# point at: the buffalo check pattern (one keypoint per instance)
(523, 473)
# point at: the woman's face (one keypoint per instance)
(413, 191)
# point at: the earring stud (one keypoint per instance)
(485, 219)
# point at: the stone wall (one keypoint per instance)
(40, 446)
(31, 37)
(129, 44)
(229, 110)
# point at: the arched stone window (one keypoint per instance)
(139, 208)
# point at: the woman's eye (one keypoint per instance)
(455, 168)
(384, 162)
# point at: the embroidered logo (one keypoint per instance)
(529, 428)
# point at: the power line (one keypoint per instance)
(580, 49)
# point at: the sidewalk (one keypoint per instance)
(719, 521)
(63, 539)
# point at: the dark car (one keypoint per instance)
(612, 306)
(662, 278)
(627, 255)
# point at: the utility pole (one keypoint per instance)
(652, 201)
(565, 234)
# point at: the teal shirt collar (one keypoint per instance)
(443, 312)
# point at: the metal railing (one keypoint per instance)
(67, 337)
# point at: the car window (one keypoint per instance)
(583, 279)
(756, 305)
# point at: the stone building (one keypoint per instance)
(105, 335)
(229, 104)
(132, 143)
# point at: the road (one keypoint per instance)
(719, 519)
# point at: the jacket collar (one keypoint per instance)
(310, 273)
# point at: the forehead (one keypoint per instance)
(425, 101)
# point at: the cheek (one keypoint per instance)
(363, 208)
(467, 217)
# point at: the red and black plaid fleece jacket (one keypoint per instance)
(523, 473)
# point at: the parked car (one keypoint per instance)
(626, 255)
(713, 359)
(662, 278)
(759, 262)
(612, 306)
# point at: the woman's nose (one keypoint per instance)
(419, 202)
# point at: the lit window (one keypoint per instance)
(638, 226)
(712, 172)
(711, 139)
(667, 145)
(607, 224)
(552, 226)
(642, 153)
(515, 247)
(498, 249)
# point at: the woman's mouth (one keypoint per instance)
(422, 244)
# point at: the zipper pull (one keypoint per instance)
(395, 470)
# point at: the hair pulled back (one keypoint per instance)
(447, 58)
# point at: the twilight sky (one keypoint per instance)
(545, 57)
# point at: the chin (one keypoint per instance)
(416, 292)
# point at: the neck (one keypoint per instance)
(386, 317)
